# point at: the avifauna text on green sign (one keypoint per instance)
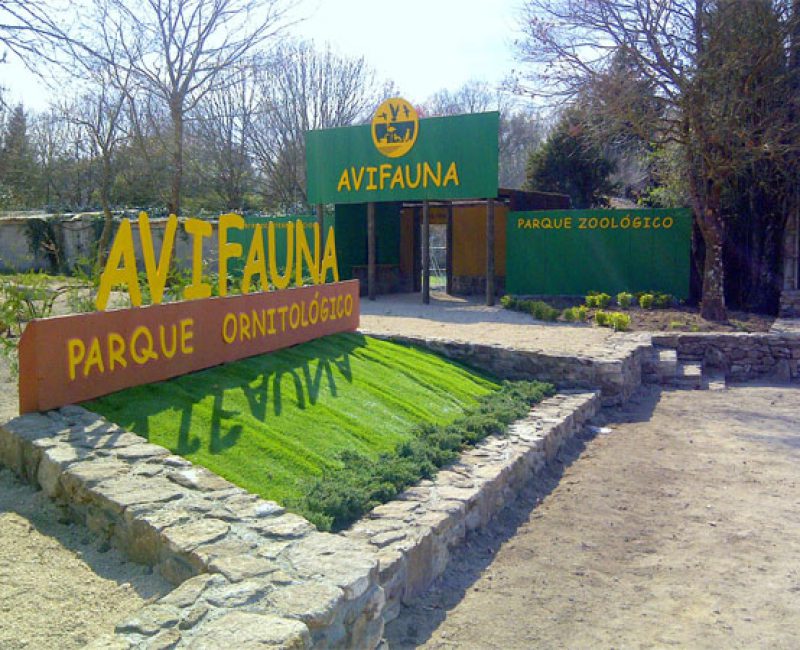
(399, 157)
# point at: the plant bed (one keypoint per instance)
(291, 424)
(674, 318)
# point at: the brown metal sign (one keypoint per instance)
(69, 359)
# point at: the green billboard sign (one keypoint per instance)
(571, 252)
(399, 157)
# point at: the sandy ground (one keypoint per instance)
(680, 528)
(462, 319)
(59, 587)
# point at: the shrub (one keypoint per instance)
(620, 322)
(616, 320)
(576, 314)
(646, 300)
(342, 495)
(663, 300)
(624, 299)
(509, 302)
(538, 309)
(591, 300)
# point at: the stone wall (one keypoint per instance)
(415, 535)
(249, 573)
(76, 237)
(475, 285)
(740, 356)
(790, 303)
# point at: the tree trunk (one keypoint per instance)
(706, 199)
(108, 219)
(176, 112)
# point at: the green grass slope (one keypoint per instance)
(271, 422)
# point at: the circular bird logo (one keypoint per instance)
(394, 127)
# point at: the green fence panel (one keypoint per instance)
(571, 252)
(351, 236)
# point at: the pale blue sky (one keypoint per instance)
(422, 45)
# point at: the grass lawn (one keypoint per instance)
(270, 422)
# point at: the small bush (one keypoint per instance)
(538, 309)
(663, 300)
(646, 300)
(576, 314)
(624, 299)
(620, 322)
(616, 320)
(509, 302)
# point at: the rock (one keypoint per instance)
(150, 620)
(198, 478)
(240, 630)
(189, 536)
(314, 603)
(239, 567)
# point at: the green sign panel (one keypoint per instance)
(571, 252)
(399, 157)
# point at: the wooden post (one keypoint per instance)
(449, 252)
(490, 252)
(320, 223)
(426, 252)
(371, 288)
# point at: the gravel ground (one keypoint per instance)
(679, 528)
(461, 319)
(60, 587)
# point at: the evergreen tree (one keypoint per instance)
(570, 162)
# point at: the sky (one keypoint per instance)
(421, 45)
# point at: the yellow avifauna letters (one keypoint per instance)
(388, 176)
(122, 270)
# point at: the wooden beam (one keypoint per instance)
(321, 223)
(449, 252)
(426, 252)
(490, 252)
(371, 284)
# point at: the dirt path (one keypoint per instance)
(679, 528)
(59, 587)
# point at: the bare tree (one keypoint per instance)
(707, 91)
(222, 126)
(100, 113)
(180, 50)
(521, 128)
(302, 88)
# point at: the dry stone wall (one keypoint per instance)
(739, 356)
(248, 571)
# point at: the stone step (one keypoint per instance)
(688, 375)
(714, 380)
(666, 364)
